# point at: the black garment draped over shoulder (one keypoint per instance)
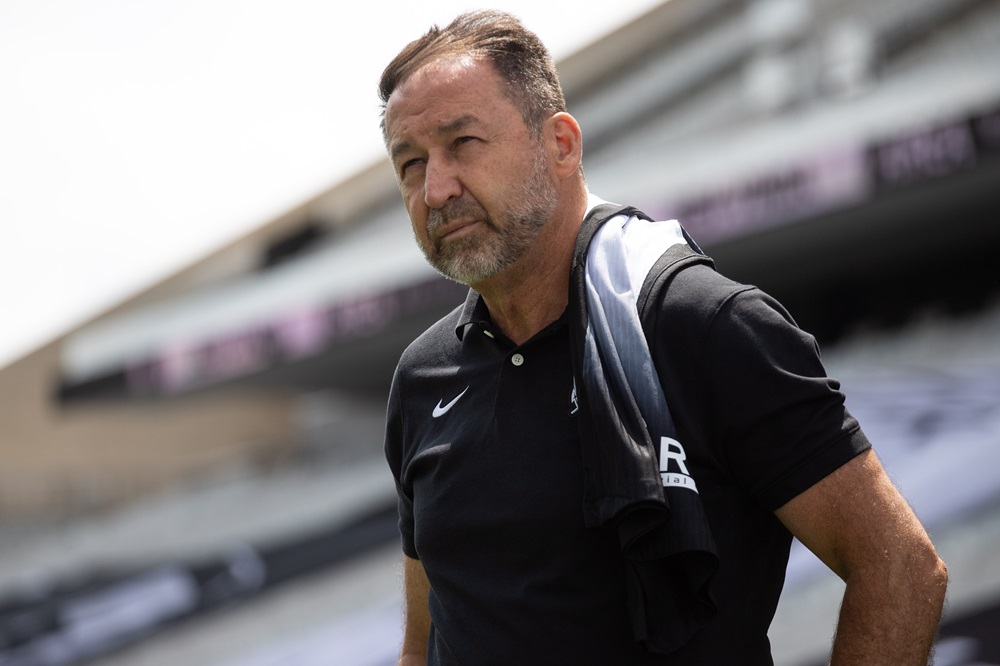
(625, 422)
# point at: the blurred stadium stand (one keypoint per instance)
(196, 476)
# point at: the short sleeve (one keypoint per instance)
(747, 385)
(394, 453)
(780, 420)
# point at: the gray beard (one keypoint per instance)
(474, 258)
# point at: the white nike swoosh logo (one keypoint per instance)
(440, 410)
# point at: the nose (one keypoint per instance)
(441, 182)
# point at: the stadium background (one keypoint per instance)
(195, 476)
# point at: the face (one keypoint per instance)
(475, 182)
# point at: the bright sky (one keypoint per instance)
(139, 135)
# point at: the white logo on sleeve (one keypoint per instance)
(679, 477)
(440, 410)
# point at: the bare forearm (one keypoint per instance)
(890, 620)
(417, 623)
(858, 523)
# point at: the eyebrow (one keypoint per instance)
(457, 124)
(449, 127)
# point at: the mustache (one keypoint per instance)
(455, 210)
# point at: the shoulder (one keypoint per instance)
(735, 358)
(705, 324)
(435, 345)
(685, 295)
(685, 288)
(430, 353)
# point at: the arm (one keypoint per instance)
(416, 588)
(859, 525)
(417, 625)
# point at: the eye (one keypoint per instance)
(464, 139)
(416, 161)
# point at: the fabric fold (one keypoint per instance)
(625, 423)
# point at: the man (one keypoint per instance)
(487, 435)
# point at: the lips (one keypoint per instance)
(454, 220)
(454, 229)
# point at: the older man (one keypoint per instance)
(525, 427)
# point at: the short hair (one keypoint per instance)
(516, 53)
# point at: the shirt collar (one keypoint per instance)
(473, 312)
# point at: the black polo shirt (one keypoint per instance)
(481, 438)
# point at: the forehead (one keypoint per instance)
(439, 94)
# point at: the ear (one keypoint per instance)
(568, 143)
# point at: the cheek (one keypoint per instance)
(419, 227)
(418, 222)
(417, 211)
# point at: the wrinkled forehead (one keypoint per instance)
(439, 90)
(441, 74)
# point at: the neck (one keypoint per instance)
(533, 292)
